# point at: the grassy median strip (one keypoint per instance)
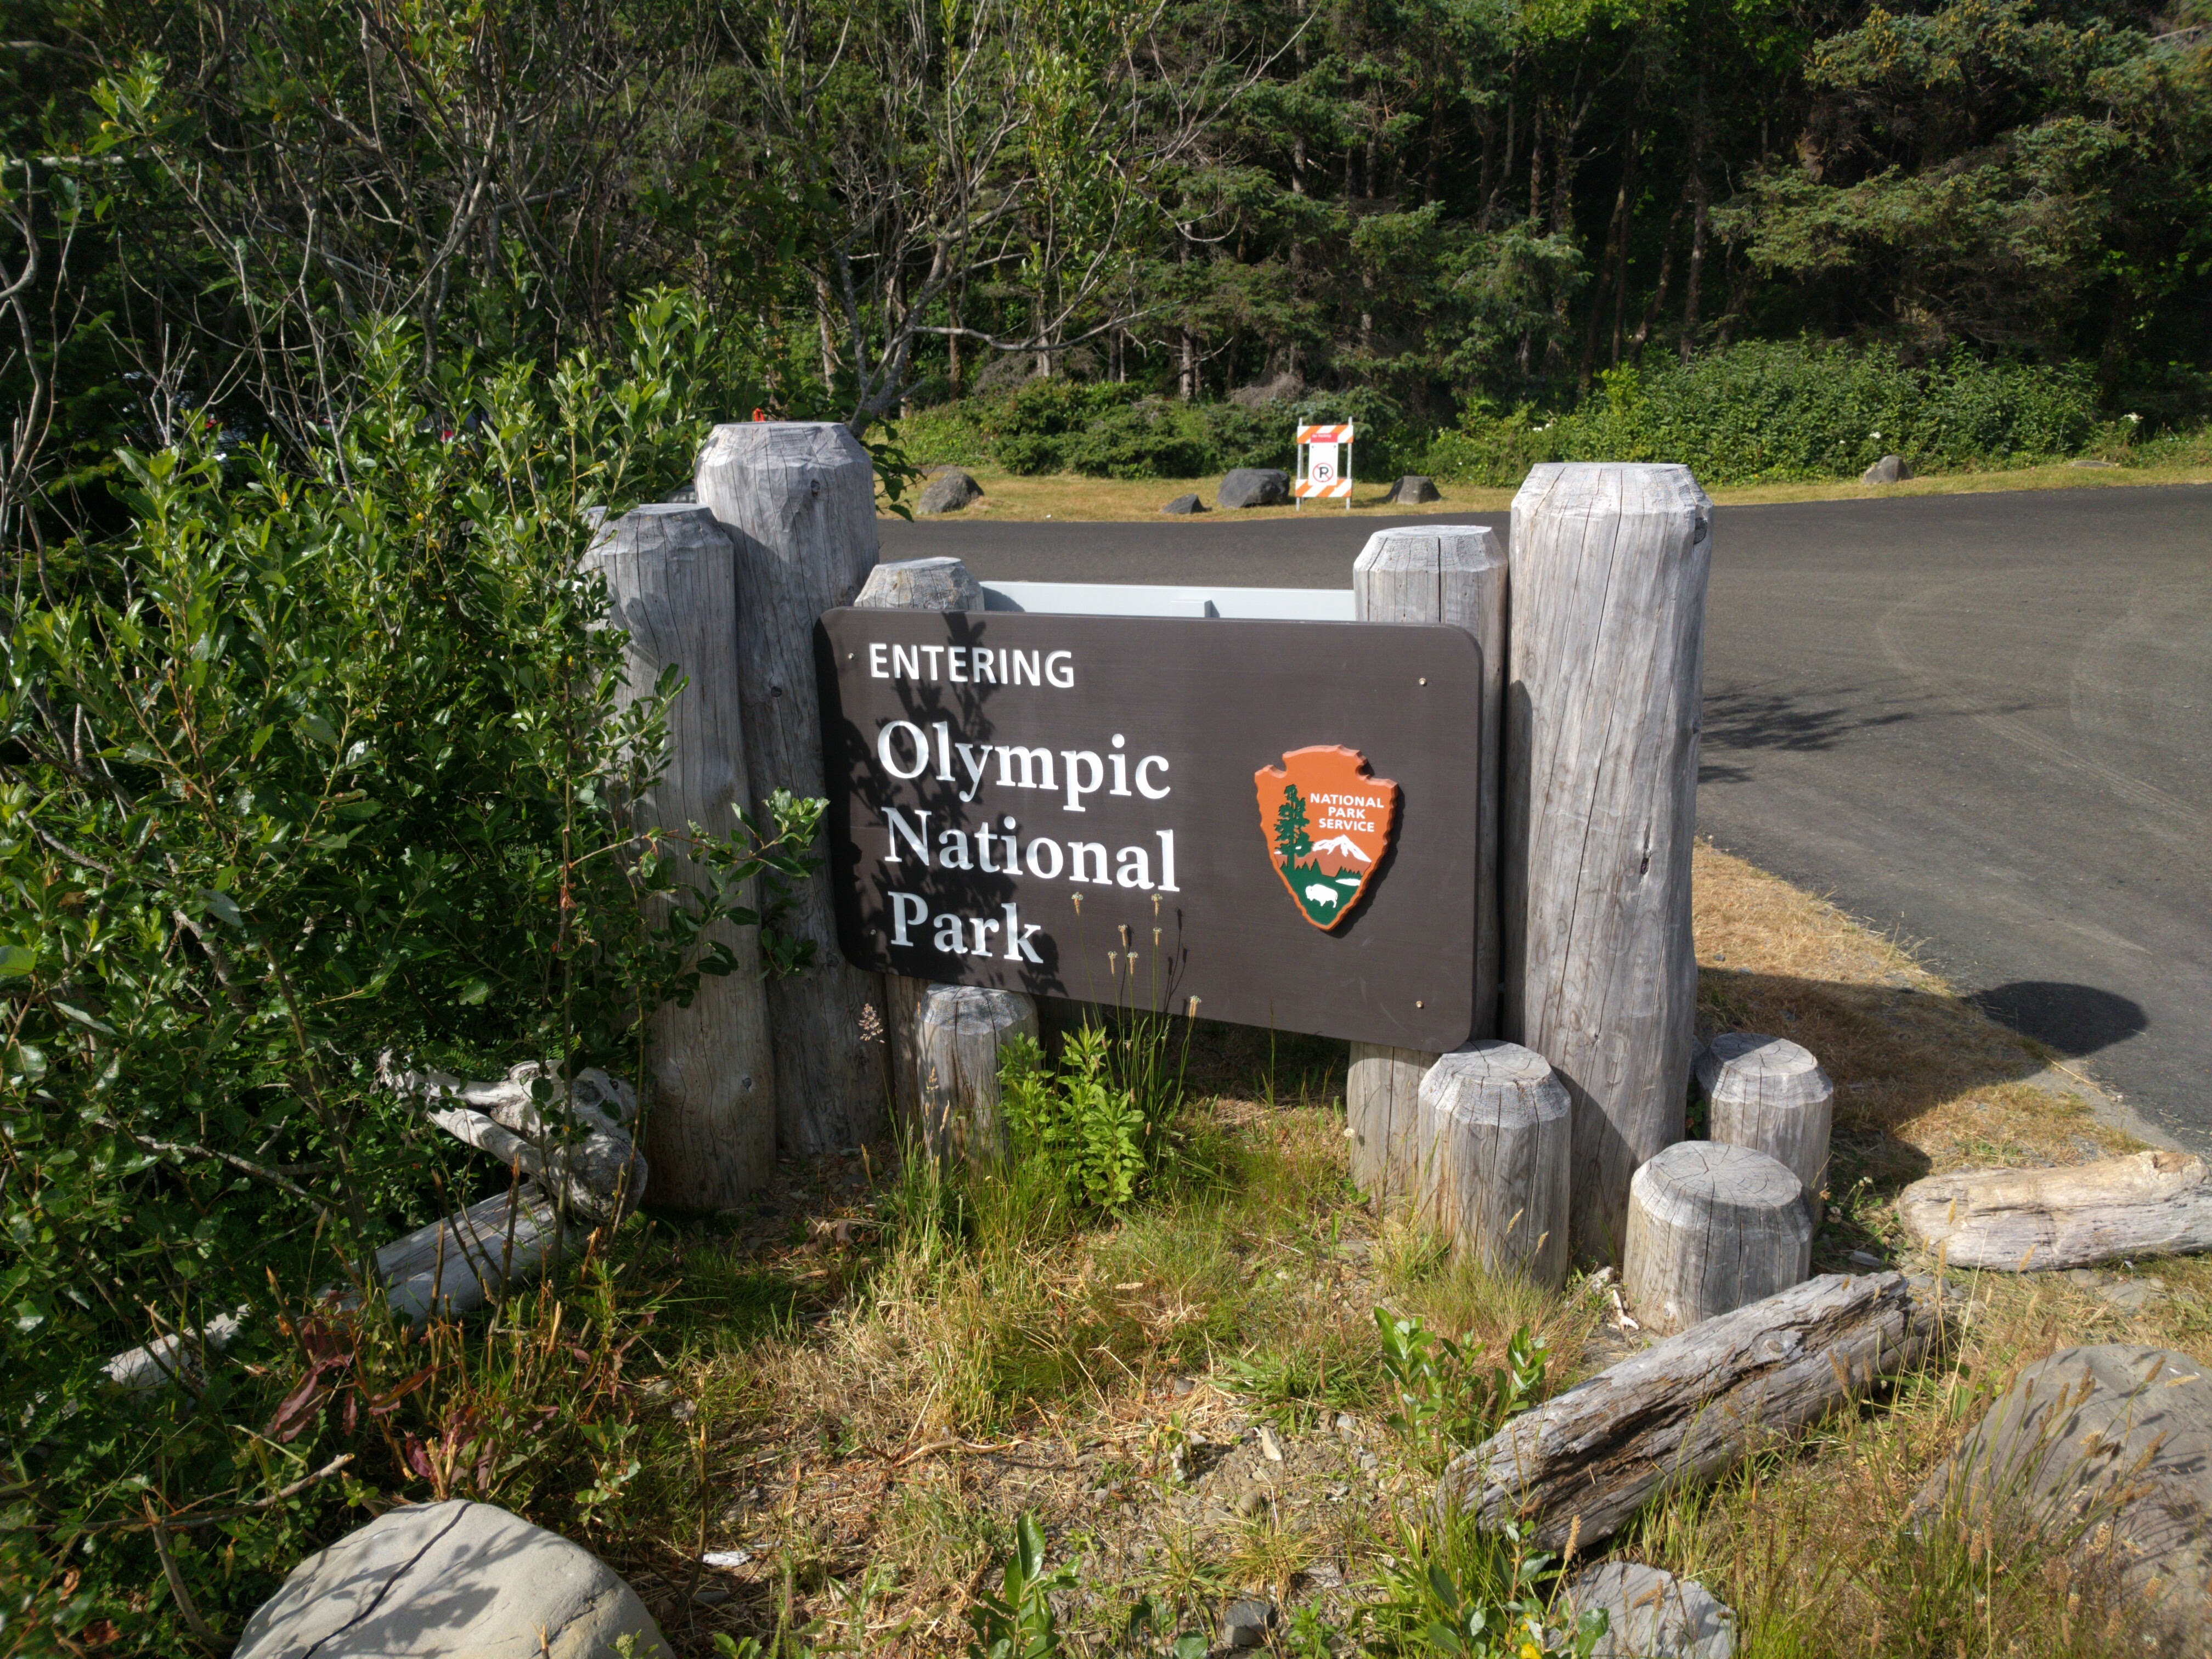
(1068, 496)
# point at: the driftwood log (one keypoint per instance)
(2031, 1220)
(1497, 1122)
(470, 1260)
(573, 1141)
(1691, 1407)
(1605, 675)
(1711, 1228)
(1382, 1103)
(671, 580)
(799, 501)
(1771, 1095)
(958, 1037)
(1452, 573)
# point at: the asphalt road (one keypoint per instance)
(1982, 721)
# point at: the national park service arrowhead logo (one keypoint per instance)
(1327, 825)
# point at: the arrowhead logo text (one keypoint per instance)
(1327, 825)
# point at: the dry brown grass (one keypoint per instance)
(926, 1388)
(1065, 495)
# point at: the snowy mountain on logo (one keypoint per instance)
(1343, 847)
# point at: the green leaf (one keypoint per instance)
(17, 960)
(319, 729)
(473, 992)
(83, 1018)
(223, 907)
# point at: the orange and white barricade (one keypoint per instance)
(1324, 463)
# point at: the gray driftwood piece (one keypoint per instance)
(672, 577)
(1382, 1102)
(958, 1036)
(1711, 1228)
(1452, 573)
(2155, 1203)
(800, 499)
(576, 1144)
(1689, 1408)
(467, 1261)
(1771, 1095)
(1499, 1121)
(1604, 679)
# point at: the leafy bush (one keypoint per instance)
(1443, 1402)
(1100, 1121)
(1777, 410)
(297, 769)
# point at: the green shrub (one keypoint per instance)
(1780, 410)
(297, 769)
(1101, 1120)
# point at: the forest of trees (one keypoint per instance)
(1422, 211)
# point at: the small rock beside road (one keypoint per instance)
(948, 491)
(1254, 486)
(456, 1577)
(2109, 1450)
(1183, 505)
(1413, 491)
(1651, 1614)
(1890, 468)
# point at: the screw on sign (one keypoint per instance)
(1327, 469)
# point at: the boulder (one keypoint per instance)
(1184, 504)
(2108, 1451)
(1254, 486)
(1413, 489)
(1651, 1613)
(948, 491)
(449, 1578)
(2156, 1203)
(1890, 468)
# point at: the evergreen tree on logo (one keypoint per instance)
(1293, 844)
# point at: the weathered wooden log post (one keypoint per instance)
(1771, 1095)
(1709, 1229)
(672, 581)
(1452, 574)
(939, 583)
(1605, 673)
(799, 498)
(958, 1036)
(1501, 1121)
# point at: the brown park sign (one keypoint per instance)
(1064, 805)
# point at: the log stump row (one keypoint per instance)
(1495, 1125)
(1710, 1228)
(959, 1032)
(1771, 1095)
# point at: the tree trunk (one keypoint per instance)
(799, 498)
(709, 1129)
(1711, 1228)
(1608, 568)
(1382, 1095)
(1499, 1123)
(1701, 200)
(1773, 1097)
(1692, 1407)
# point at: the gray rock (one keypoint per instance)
(1651, 1613)
(1412, 489)
(455, 1577)
(1184, 504)
(1254, 486)
(1246, 1624)
(949, 491)
(2108, 1449)
(2133, 1295)
(1890, 468)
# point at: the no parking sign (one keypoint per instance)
(1326, 467)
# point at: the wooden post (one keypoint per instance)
(1772, 1096)
(799, 500)
(1451, 574)
(939, 583)
(1709, 1229)
(1502, 1121)
(957, 1037)
(1604, 678)
(670, 573)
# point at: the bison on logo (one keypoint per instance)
(1327, 824)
